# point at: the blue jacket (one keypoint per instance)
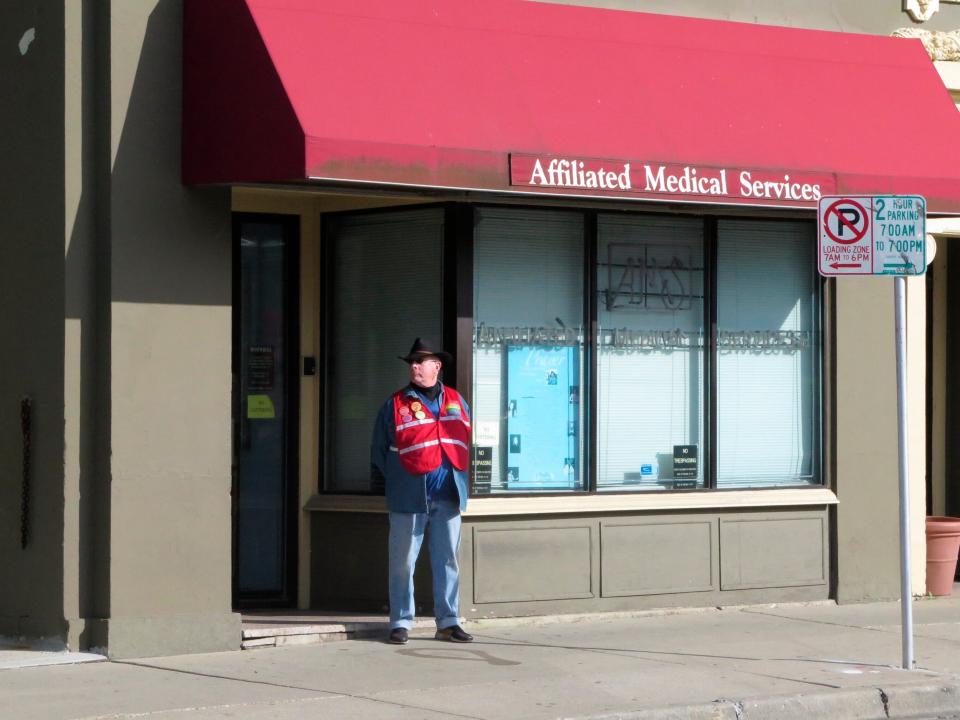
(406, 493)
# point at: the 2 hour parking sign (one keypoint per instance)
(872, 235)
(882, 235)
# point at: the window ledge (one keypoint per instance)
(559, 504)
(346, 503)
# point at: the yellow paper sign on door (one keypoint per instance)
(260, 407)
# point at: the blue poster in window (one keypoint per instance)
(543, 410)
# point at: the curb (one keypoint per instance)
(483, 622)
(917, 700)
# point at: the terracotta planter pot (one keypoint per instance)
(943, 546)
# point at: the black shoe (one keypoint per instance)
(454, 633)
(398, 636)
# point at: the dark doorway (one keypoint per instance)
(952, 430)
(265, 410)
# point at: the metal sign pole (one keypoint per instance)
(882, 235)
(906, 598)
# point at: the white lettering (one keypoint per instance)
(537, 172)
(552, 172)
(654, 182)
(562, 166)
(771, 189)
(688, 181)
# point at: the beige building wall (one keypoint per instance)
(170, 350)
(32, 302)
(866, 440)
(916, 337)
(867, 470)
(117, 289)
(86, 509)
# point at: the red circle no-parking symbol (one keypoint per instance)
(846, 221)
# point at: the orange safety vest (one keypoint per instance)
(422, 440)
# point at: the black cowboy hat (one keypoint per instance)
(424, 348)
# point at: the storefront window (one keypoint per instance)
(767, 367)
(385, 289)
(528, 351)
(650, 353)
(700, 370)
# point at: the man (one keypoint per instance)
(421, 448)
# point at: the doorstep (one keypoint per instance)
(272, 628)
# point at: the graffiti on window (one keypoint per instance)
(648, 276)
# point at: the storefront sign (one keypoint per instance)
(685, 463)
(260, 367)
(483, 465)
(669, 181)
(872, 235)
(486, 432)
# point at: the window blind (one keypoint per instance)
(767, 367)
(650, 364)
(386, 290)
(528, 273)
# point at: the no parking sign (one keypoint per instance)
(882, 235)
(872, 235)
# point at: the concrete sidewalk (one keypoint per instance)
(14, 654)
(787, 661)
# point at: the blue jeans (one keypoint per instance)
(406, 538)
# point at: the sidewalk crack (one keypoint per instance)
(737, 706)
(886, 702)
(816, 622)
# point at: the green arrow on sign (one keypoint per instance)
(895, 266)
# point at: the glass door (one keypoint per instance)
(264, 410)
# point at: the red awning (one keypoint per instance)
(441, 93)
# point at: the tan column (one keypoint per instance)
(866, 440)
